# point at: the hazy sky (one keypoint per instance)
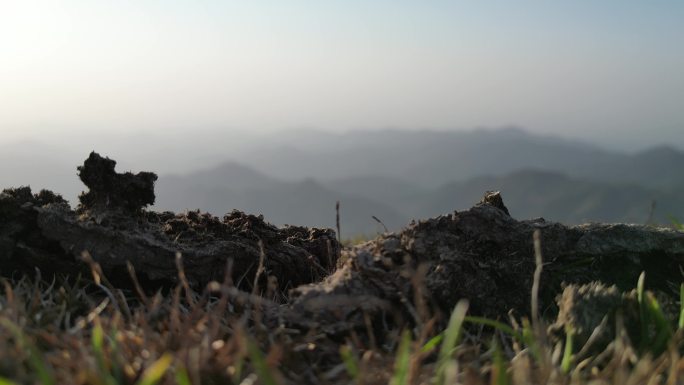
(610, 70)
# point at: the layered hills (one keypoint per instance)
(396, 176)
(390, 175)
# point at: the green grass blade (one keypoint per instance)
(451, 337)
(5, 381)
(115, 353)
(656, 330)
(154, 373)
(432, 343)
(640, 286)
(350, 362)
(530, 339)
(663, 330)
(182, 377)
(453, 330)
(260, 365)
(643, 312)
(680, 324)
(401, 364)
(501, 377)
(97, 338)
(495, 324)
(566, 362)
(239, 365)
(35, 357)
(97, 341)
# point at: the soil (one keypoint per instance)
(304, 276)
(111, 225)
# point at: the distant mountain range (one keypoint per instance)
(307, 202)
(432, 158)
(39, 165)
(554, 196)
(527, 193)
(395, 176)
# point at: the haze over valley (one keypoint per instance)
(285, 108)
(393, 175)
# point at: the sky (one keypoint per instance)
(610, 71)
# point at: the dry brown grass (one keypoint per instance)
(82, 332)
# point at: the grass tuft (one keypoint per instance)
(80, 333)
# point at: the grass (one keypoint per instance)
(355, 240)
(79, 333)
(676, 223)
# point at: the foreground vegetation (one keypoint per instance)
(85, 331)
(239, 301)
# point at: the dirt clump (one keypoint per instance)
(589, 311)
(404, 278)
(109, 190)
(486, 256)
(493, 198)
(110, 225)
(22, 246)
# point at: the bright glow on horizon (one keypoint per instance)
(585, 67)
